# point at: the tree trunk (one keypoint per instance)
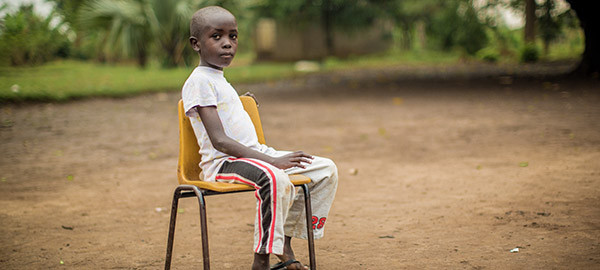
(589, 19)
(328, 28)
(529, 21)
(406, 36)
(142, 57)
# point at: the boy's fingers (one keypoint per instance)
(301, 153)
(306, 160)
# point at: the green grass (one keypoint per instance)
(64, 80)
(70, 79)
(393, 58)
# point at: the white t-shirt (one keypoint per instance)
(208, 87)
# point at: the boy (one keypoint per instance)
(231, 152)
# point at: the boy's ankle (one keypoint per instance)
(261, 262)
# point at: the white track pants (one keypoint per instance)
(280, 209)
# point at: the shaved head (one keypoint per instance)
(203, 16)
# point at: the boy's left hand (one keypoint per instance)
(295, 159)
(249, 94)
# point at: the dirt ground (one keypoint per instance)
(455, 167)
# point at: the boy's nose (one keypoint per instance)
(226, 43)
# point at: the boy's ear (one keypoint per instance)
(195, 44)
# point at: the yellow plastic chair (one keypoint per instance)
(190, 184)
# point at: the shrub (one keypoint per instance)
(530, 53)
(488, 54)
(25, 38)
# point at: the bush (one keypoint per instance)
(488, 54)
(530, 53)
(457, 26)
(25, 38)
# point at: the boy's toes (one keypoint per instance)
(297, 266)
(290, 265)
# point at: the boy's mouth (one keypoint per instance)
(227, 55)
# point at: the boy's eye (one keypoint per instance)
(216, 36)
(233, 36)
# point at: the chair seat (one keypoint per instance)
(296, 179)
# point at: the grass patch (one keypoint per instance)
(65, 80)
(393, 58)
(72, 79)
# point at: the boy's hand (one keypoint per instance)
(253, 97)
(295, 159)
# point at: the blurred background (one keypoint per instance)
(120, 47)
(465, 132)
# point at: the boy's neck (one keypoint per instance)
(211, 68)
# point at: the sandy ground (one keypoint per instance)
(454, 172)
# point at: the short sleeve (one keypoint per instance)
(198, 91)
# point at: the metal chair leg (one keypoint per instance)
(174, 205)
(203, 224)
(203, 228)
(309, 229)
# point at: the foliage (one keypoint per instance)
(27, 39)
(549, 25)
(69, 13)
(330, 15)
(457, 25)
(66, 80)
(529, 53)
(342, 14)
(488, 54)
(135, 28)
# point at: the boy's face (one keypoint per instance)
(218, 42)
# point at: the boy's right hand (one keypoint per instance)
(295, 159)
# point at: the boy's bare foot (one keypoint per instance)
(288, 256)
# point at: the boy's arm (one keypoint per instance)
(222, 142)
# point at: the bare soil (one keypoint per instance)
(438, 170)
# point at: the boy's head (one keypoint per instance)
(214, 34)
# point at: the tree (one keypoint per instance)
(136, 27)
(69, 11)
(457, 25)
(345, 15)
(530, 7)
(27, 39)
(407, 14)
(549, 25)
(587, 12)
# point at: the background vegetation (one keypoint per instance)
(121, 47)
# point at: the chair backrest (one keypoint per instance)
(189, 158)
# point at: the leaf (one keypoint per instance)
(523, 164)
(70, 177)
(397, 101)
